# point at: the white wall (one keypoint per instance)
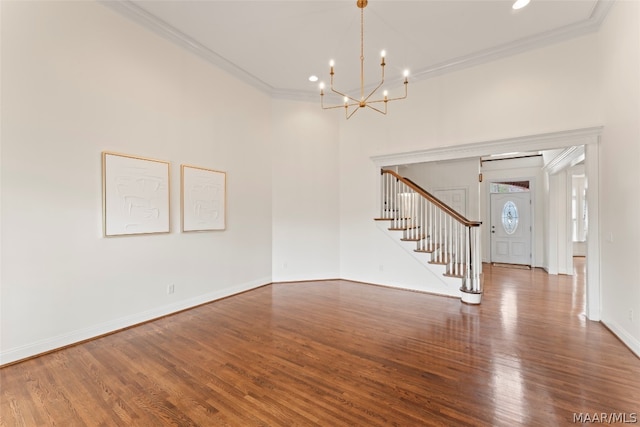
(447, 175)
(305, 199)
(545, 90)
(78, 79)
(558, 231)
(620, 171)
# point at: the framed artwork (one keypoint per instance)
(135, 195)
(203, 199)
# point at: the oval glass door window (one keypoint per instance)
(510, 217)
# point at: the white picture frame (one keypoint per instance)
(135, 195)
(203, 199)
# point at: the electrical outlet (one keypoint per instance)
(171, 289)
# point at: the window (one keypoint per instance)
(579, 217)
(510, 217)
(509, 187)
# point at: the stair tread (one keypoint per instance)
(427, 250)
(402, 228)
(459, 275)
(412, 239)
(391, 219)
(462, 268)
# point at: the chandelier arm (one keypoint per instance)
(374, 90)
(331, 107)
(392, 99)
(352, 113)
(388, 100)
(322, 103)
(397, 99)
(379, 110)
(406, 92)
(379, 84)
(345, 95)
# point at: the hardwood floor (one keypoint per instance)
(339, 353)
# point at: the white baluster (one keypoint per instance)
(394, 194)
(381, 195)
(423, 224)
(386, 207)
(440, 235)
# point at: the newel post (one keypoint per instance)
(471, 290)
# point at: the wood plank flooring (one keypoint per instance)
(339, 353)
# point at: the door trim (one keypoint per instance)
(531, 217)
(532, 192)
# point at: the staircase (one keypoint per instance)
(445, 237)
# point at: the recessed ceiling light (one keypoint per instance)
(313, 78)
(519, 4)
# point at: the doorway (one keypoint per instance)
(579, 218)
(585, 140)
(510, 223)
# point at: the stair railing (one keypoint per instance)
(450, 238)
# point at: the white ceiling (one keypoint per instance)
(276, 45)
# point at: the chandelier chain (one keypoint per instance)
(361, 53)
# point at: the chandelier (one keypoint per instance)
(351, 104)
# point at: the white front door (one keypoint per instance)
(511, 228)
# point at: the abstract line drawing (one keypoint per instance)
(135, 195)
(203, 199)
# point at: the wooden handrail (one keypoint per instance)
(433, 199)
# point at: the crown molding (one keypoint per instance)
(570, 156)
(590, 25)
(146, 19)
(295, 95)
(538, 142)
(160, 27)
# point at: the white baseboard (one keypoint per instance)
(63, 340)
(624, 336)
